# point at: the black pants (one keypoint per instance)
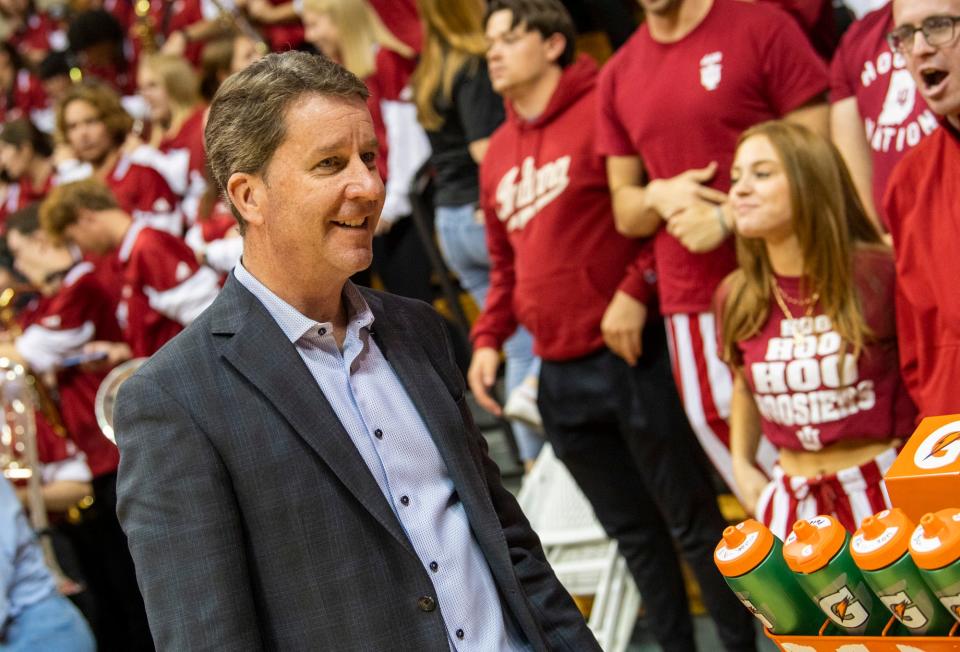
(101, 546)
(623, 435)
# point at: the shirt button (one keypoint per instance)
(434, 566)
(460, 634)
(378, 433)
(404, 501)
(322, 331)
(426, 603)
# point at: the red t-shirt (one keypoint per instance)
(79, 313)
(923, 210)
(894, 114)
(164, 288)
(797, 384)
(679, 106)
(141, 191)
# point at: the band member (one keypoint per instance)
(75, 309)
(94, 124)
(25, 157)
(172, 91)
(807, 325)
(164, 288)
(370, 482)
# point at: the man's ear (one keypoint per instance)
(248, 194)
(556, 43)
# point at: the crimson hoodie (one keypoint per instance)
(556, 257)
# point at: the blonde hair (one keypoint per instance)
(177, 77)
(360, 30)
(453, 38)
(829, 222)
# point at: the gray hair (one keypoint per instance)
(246, 123)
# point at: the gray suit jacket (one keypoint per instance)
(254, 522)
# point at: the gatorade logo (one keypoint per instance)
(844, 609)
(941, 447)
(952, 603)
(756, 612)
(905, 610)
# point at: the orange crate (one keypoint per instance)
(882, 643)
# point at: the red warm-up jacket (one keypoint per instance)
(556, 257)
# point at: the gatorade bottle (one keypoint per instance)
(818, 552)
(881, 549)
(935, 548)
(749, 557)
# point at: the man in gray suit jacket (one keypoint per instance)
(299, 469)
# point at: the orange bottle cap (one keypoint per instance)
(742, 548)
(813, 543)
(881, 540)
(936, 541)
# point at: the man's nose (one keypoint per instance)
(365, 182)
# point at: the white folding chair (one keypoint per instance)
(586, 562)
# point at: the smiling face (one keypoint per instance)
(320, 197)
(760, 192)
(935, 69)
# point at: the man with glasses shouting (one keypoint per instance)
(923, 208)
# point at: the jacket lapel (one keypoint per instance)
(259, 350)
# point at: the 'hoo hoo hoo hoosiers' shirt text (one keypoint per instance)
(809, 387)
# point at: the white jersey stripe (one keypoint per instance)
(44, 348)
(692, 400)
(186, 301)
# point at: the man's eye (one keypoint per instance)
(370, 158)
(330, 162)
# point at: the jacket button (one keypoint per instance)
(426, 603)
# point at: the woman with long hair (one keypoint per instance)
(171, 89)
(351, 33)
(459, 110)
(807, 326)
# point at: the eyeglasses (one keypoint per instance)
(937, 31)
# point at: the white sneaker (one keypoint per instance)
(521, 406)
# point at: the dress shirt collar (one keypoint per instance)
(294, 323)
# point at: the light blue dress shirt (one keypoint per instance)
(24, 578)
(394, 442)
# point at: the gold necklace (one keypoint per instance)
(810, 303)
